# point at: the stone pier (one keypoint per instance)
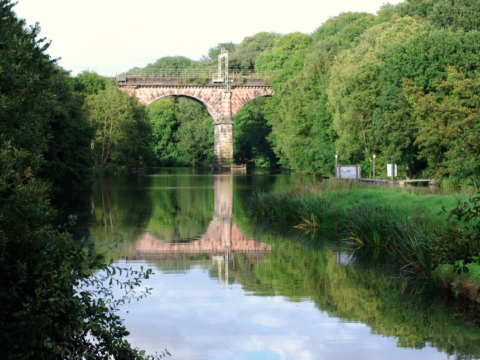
(223, 144)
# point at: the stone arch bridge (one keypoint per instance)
(221, 100)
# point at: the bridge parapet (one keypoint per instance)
(192, 77)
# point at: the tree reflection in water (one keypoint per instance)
(180, 223)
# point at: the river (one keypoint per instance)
(224, 288)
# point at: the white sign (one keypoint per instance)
(389, 170)
(348, 172)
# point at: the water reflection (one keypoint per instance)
(222, 242)
(222, 236)
(220, 294)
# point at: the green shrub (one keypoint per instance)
(55, 301)
(201, 80)
(240, 79)
(460, 246)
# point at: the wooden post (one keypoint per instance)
(336, 166)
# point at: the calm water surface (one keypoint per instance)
(224, 290)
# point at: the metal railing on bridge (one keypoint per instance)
(196, 74)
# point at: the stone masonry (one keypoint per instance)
(221, 104)
(223, 144)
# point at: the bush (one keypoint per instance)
(460, 247)
(241, 80)
(201, 80)
(54, 301)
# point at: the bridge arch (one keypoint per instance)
(221, 104)
(210, 98)
(210, 110)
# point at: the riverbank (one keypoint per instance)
(403, 223)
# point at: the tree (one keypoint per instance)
(250, 135)
(214, 51)
(354, 88)
(285, 47)
(194, 136)
(162, 115)
(169, 62)
(52, 304)
(91, 83)
(250, 48)
(453, 14)
(68, 158)
(122, 133)
(346, 26)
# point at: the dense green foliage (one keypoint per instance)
(122, 131)
(170, 62)
(90, 82)
(454, 14)
(52, 304)
(68, 158)
(251, 130)
(41, 113)
(55, 301)
(182, 132)
(390, 85)
(247, 52)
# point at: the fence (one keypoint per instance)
(195, 73)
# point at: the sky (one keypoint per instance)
(111, 36)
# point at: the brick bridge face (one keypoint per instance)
(221, 104)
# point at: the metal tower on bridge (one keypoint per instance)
(220, 79)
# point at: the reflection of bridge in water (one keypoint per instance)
(221, 242)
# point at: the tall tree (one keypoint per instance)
(68, 158)
(453, 14)
(44, 311)
(122, 132)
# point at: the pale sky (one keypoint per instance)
(111, 36)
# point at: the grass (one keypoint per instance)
(402, 222)
(416, 202)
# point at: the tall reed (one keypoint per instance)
(403, 236)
